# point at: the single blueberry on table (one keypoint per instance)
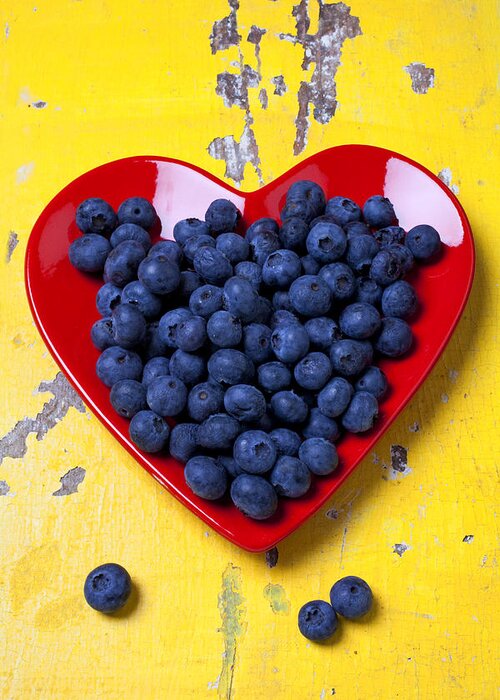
(212, 265)
(229, 367)
(183, 442)
(128, 397)
(310, 266)
(359, 320)
(187, 367)
(298, 207)
(313, 371)
(386, 267)
(341, 280)
(122, 263)
(206, 477)
(117, 363)
(169, 323)
(257, 342)
(186, 228)
(218, 432)
(319, 455)
(101, 333)
(395, 337)
(94, 215)
(170, 249)
(423, 241)
(317, 620)
(250, 271)
(108, 296)
(129, 325)
(155, 367)
(274, 376)
(350, 357)
(166, 395)
(89, 253)
(190, 280)
(310, 191)
(368, 291)
(204, 400)
(159, 275)
(224, 329)
(290, 477)
(137, 210)
(399, 300)
(390, 235)
(254, 496)
(287, 441)
(233, 246)
(310, 296)
(343, 210)
(326, 242)
(245, 403)
(280, 317)
(240, 298)
(191, 333)
(322, 332)
(360, 252)
(263, 244)
(289, 342)
(264, 224)
(281, 268)
(320, 426)
(107, 588)
(378, 212)
(374, 382)
(351, 597)
(222, 216)
(206, 300)
(335, 397)
(130, 232)
(293, 234)
(193, 244)
(404, 255)
(139, 296)
(255, 452)
(149, 431)
(361, 413)
(288, 407)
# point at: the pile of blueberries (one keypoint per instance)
(261, 347)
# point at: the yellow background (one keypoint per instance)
(210, 621)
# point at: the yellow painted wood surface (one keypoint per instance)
(86, 81)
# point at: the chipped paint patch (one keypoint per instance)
(263, 99)
(4, 488)
(23, 172)
(39, 104)
(453, 375)
(399, 458)
(272, 557)
(414, 427)
(234, 88)
(6, 30)
(225, 31)
(445, 176)
(14, 443)
(279, 85)
(422, 77)
(70, 481)
(236, 154)
(400, 548)
(232, 612)
(332, 514)
(276, 595)
(12, 242)
(468, 538)
(211, 685)
(445, 398)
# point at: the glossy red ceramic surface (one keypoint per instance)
(63, 300)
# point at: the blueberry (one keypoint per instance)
(129, 326)
(373, 381)
(310, 296)
(166, 395)
(359, 320)
(389, 235)
(117, 363)
(107, 588)
(289, 342)
(423, 241)
(137, 210)
(190, 280)
(274, 376)
(340, 278)
(395, 337)
(94, 215)
(183, 441)
(293, 234)
(153, 345)
(186, 228)
(218, 432)
(224, 329)
(101, 333)
(310, 191)
(240, 298)
(351, 597)
(360, 252)
(206, 300)
(149, 431)
(222, 216)
(322, 332)
(138, 296)
(128, 397)
(287, 441)
(254, 496)
(108, 296)
(206, 478)
(378, 212)
(320, 426)
(122, 263)
(399, 300)
(155, 367)
(233, 246)
(281, 317)
(298, 207)
(404, 255)
(281, 301)
(317, 620)
(191, 333)
(326, 242)
(245, 402)
(257, 342)
(255, 452)
(263, 311)
(187, 367)
(361, 412)
(212, 265)
(169, 324)
(89, 253)
(193, 244)
(350, 357)
(319, 455)
(335, 397)
(281, 268)
(264, 224)
(343, 210)
(290, 477)
(170, 249)
(356, 228)
(288, 407)
(263, 244)
(204, 400)
(310, 266)
(130, 232)
(313, 371)
(229, 367)
(230, 465)
(386, 267)
(250, 271)
(159, 275)
(368, 291)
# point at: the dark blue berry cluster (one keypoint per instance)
(261, 347)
